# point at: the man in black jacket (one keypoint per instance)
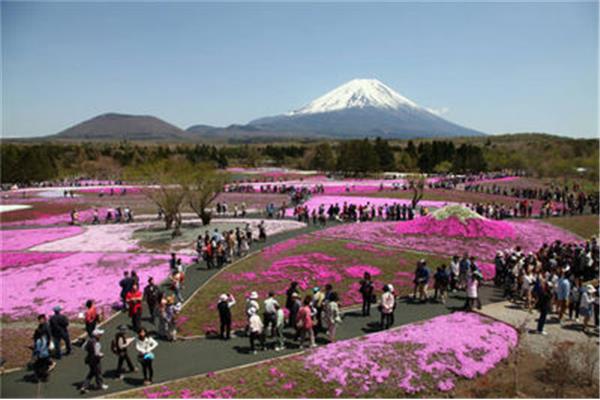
(152, 295)
(59, 328)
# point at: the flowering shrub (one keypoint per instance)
(414, 356)
(529, 234)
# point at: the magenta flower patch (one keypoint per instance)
(440, 350)
(358, 271)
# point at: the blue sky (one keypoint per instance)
(495, 67)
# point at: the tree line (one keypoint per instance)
(538, 155)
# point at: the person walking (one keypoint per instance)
(366, 292)
(41, 355)
(145, 346)
(126, 284)
(59, 329)
(119, 348)
(226, 301)
(134, 302)
(332, 316)
(152, 295)
(93, 358)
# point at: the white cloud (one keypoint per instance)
(439, 111)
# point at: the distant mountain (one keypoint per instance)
(363, 107)
(114, 126)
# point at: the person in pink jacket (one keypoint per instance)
(304, 322)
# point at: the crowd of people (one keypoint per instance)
(556, 200)
(217, 249)
(116, 216)
(559, 278)
(351, 212)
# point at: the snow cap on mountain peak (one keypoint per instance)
(357, 93)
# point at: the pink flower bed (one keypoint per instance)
(21, 239)
(411, 358)
(21, 260)
(69, 279)
(358, 271)
(449, 227)
(85, 216)
(316, 201)
(530, 235)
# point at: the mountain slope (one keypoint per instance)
(113, 126)
(363, 107)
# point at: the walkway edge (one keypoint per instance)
(172, 381)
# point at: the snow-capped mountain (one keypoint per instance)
(363, 107)
(359, 93)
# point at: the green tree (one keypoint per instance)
(322, 158)
(387, 161)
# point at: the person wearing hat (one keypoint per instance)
(289, 301)
(256, 329)
(59, 329)
(226, 301)
(119, 348)
(317, 304)
(586, 305)
(387, 307)
(93, 350)
(252, 302)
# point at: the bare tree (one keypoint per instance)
(169, 180)
(206, 186)
(417, 184)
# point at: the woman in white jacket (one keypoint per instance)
(145, 344)
(332, 315)
(387, 307)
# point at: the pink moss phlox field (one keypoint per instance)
(71, 280)
(21, 239)
(369, 248)
(281, 247)
(449, 227)
(459, 345)
(529, 234)
(358, 271)
(97, 238)
(9, 259)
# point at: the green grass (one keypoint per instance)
(585, 226)
(200, 315)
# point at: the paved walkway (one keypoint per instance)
(192, 357)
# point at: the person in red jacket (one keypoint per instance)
(134, 300)
(91, 317)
